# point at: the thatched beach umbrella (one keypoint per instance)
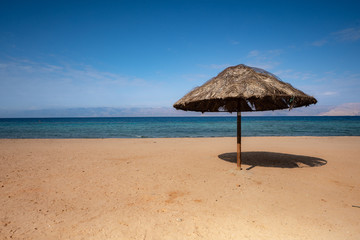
(243, 89)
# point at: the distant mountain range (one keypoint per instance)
(348, 109)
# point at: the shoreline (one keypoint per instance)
(1, 139)
(180, 188)
(194, 116)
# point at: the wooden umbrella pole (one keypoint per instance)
(238, 157)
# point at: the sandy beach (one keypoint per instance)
(289, 188)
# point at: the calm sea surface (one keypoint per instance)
(169, 127)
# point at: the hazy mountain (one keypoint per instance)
(347, 109)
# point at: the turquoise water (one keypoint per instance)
(169, 127)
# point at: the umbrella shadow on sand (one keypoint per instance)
(273, 159)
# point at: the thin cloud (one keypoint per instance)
(27, 84)
(219, 66)
(294, 75)
(21, 69)
(345, 35)
(264, 59)
(329, 93)
(334, 87)
(215, 66)
(265, 66)
(319, 43)
(253, 53)
(348, 34)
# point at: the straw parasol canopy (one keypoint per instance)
(243, 89)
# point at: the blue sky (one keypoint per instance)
(66, 54)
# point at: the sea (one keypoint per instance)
(176, 127)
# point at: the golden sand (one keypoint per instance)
(289, 188)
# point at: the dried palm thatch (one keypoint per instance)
(243, 89)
